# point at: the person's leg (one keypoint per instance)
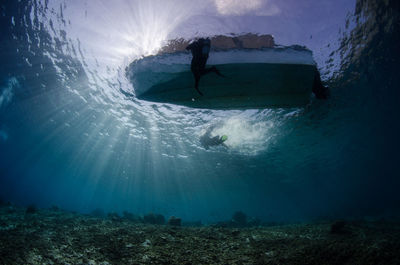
(215, 70)
(196, 74)
(196, 84)
(212, 70)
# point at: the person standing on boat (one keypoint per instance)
(200, 50)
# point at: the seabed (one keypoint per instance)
(54, 236)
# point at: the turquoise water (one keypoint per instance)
(73, 134)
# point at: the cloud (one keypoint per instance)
(246, 7)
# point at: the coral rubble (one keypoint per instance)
(61, 237)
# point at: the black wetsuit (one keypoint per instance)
(207, 140)
(200, 50)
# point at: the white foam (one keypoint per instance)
(6, 93)
(245, 136)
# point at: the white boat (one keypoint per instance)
(255, 78)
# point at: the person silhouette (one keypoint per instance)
(207, 140)
(200, 50)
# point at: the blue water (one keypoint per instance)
(71, 135)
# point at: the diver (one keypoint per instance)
(200, 50)
(320, 91)
(207, 140)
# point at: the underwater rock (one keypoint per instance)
(99, 213)
(113, 216)
(271, 223)
(10, 209)
(223, 224)
(338, 227)
(54, 208)
(254, 222)
(146, 243)
(174, 221)
(130, 216)
(235, 232)
(192, 223)
(239, 218)
(155, 219)
(31, 209)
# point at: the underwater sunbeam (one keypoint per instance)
(106, 146)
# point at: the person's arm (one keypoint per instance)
(209, 129)
(190, 46)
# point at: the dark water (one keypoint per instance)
(71, 134)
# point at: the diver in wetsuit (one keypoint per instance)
(207, 140)
(200, 50)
